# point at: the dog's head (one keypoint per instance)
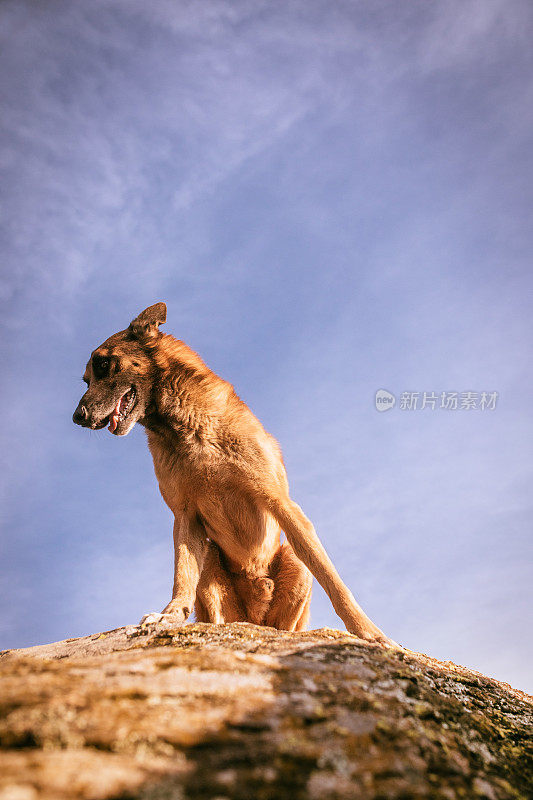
(120, 376)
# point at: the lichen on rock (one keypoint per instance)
(241, 711)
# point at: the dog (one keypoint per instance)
(222, 476)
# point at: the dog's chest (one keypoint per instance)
(179, 469)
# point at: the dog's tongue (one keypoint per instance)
(113, 421)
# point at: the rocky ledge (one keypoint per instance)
(240, 711)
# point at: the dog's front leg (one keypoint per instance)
(190, 546)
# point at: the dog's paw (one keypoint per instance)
(382, 640)
(162, 623)
(176, 612)
(153, 618)
(373, 635)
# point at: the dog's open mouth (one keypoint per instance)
(122, 409)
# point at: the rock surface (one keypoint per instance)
(240, 711)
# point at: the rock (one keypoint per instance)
(240, 711)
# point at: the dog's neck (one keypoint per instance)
(189, 401)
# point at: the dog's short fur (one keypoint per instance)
(223, 477)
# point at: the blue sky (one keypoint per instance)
(332, 198)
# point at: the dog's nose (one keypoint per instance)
(80, 415)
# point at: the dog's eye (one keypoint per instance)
(101, 367)
(85, 381)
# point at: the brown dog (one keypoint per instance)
(223, 478)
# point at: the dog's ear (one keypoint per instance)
(148, 321)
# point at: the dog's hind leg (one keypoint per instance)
(255, 592)
(200, 611)
(216, 598)
(303, 620)
(302, 536)
(289, 609)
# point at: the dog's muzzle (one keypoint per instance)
(81, 415)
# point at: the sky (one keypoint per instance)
(332, 199)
